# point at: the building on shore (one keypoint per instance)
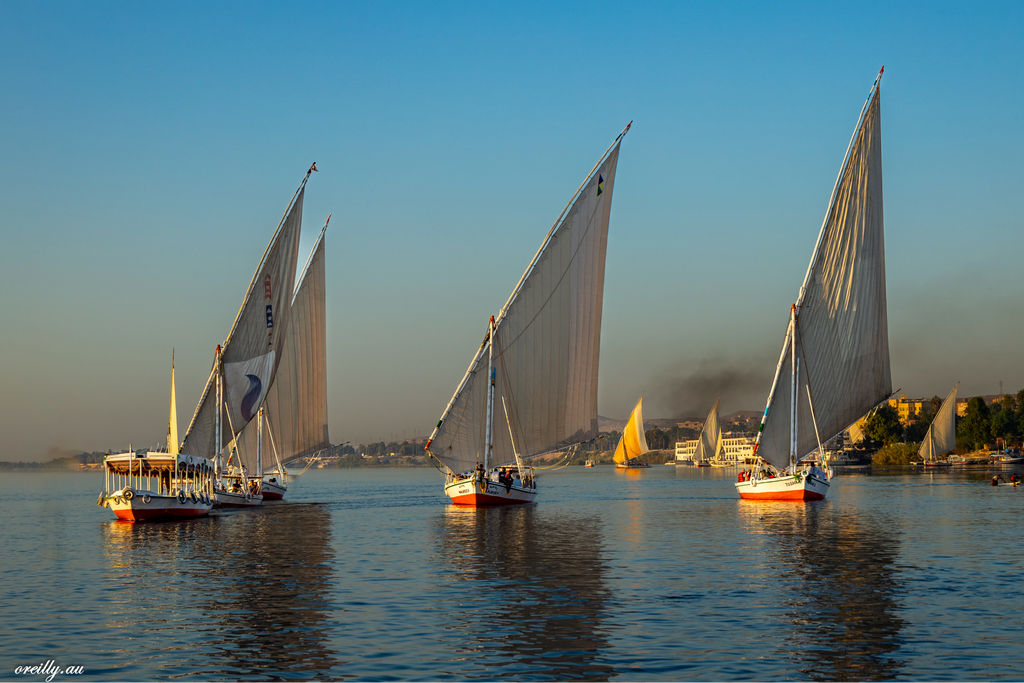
(737, 449)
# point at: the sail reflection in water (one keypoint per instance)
(238, 595)
(844, 585)
(526, 596)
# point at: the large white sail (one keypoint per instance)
(941, 435)
(546, 344)
(296, 406)
(252, 352)
(842, 338)
(710, 443)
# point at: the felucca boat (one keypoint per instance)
(835, 356)
(531, 388)
(245, 366)
(154, 485)
(295, 412)
(709, 445)
(941, 435)
(633, 442)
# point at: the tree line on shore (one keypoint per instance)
(983, 426)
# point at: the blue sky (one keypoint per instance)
(150, 149)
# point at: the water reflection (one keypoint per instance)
(526, 597)
(845, 597)
(243, 595)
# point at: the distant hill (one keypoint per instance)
(607, 424)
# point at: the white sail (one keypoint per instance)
(941, 435)
(842, 338)
(710, 443)
(546, 344)
(296, 406)
(252, 351)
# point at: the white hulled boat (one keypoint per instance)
(538, 362)
(941, 435)
(295, 412)
(245, 367)
(709, 444)
(157, 486)
(633, 442)
(836, 351)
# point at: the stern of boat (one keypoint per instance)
(801, 486)
(487, 493)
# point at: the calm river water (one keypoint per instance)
(665, 575)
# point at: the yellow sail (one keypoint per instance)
(633, 443)
(172, 422)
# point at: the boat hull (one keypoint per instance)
(228, 499)
(274, 490)
(144, 506)
(801, 487)
(488, 493)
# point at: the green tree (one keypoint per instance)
(975, 429)
(884, 426)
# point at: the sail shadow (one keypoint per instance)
(230, 596)
(525, 597)
(845, 594)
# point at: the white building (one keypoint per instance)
(737, 449)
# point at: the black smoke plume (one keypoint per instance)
(689, 394)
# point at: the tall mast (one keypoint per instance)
(489, 434)
(218, 427)
(795, 396)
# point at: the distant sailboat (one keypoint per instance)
(709, 445)
(245, 366)
(531, 388)
(295, 412)
(158, 485)
(836, 350)
(941, 435)
(633, 442)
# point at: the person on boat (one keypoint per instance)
(995, 480)
(739, 477)
(1014, 478)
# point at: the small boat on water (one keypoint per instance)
(589, 463)
(633, 442)
(245, 367)
(709, 443)
(837, 334)
(157, 486)
(941, 435)
(531, 389)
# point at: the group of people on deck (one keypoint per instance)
(503, 476)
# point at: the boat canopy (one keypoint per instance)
(123, 463)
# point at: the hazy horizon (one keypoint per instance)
(152, 149)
